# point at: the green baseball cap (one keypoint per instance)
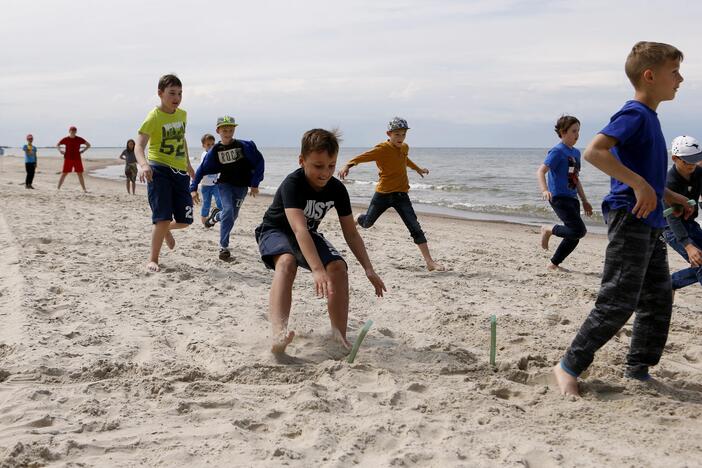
(226, 121)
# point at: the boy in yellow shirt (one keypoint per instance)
(392, 159)
(167, 170)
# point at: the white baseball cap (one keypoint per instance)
(687, 148)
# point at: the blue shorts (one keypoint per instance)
(273, 242)
(169, 195)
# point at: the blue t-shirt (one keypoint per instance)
(640, 147)
(563, 169)
(30, 156)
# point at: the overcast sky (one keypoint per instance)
(463, 73)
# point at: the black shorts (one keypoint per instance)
(169, 195)
(273, 242)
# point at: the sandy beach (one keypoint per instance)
(103, 364)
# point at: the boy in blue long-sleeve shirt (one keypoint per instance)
(240, 167)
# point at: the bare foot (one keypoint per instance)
(170, 241)
(566, 382)
(281, 342)
(434, 266)
(153, 267)
(545, 236)
(341, 339)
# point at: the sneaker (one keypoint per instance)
(224, 254)
(212, 218)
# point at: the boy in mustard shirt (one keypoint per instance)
(167, 170)
(392, 159)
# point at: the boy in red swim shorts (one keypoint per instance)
(73, 146)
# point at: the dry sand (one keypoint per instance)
(102, 364)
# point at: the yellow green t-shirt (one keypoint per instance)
(166, 138)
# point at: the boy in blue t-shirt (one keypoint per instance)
(563, 167)
(632, 150)
(30, 161)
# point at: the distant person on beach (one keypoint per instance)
(240, 167)
(30, 161)
(71, 147)
(685, 235)
(130, 165)
(288, 238)
(562, 165)
(167, 171)
(636, 278)
(392, 159)
(208, 187)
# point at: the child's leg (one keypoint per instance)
(81, 180)
(379, 203)
(133, 187)
(158, 234)
(280, 301)
(403, 206)
(61, 179)
(650, 330)
(232, 198)
(338, 301)
(206, 202)
(626, 261)
(217, 197)
(572, 230)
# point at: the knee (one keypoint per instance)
(286, 265)
(337, 269)
(363, 221)
(580, 232)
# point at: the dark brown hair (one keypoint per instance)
(563, 123)
(206, 137)
(318, 139)
(168, 80)
(647, 55)
(133, 143)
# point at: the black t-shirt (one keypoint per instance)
(690, 188)
(296, 192)
(236, 168)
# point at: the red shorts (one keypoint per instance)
(70, 165)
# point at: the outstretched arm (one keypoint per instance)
(598, 154)
(355, 242)
(368, 156)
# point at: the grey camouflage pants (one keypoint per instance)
(636, 278)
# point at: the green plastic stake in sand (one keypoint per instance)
(493, 339)
(359, 340)
(677, 209)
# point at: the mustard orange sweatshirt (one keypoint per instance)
(392, 165)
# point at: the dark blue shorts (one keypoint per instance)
(169, 195)
(273, 242)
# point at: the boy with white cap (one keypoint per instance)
(392, 159)
(685, 235)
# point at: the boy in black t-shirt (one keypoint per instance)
(240, 167)
(288, 238)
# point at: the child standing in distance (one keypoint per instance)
(288, 238)
(130, 165)
(392, 159)
(167, 170)
(685, 235)
(73, 147)
(30, 161)
(240, 167)
(563, 167)
(209, 188)
(632, 150)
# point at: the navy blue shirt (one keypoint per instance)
(563, 169)
(641, 148)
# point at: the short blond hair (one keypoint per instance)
(647, 55)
